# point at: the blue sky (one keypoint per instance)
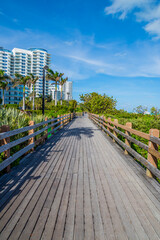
(110, 46)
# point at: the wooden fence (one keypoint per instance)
(6, 145)
(112, 128)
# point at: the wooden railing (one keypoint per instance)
(112, 129)
(6, 145)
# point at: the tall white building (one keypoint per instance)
(40, 58)
(67, 90)
(13, 95)
(24, 62)
(52, 91)
(32, 61)
(6, 61)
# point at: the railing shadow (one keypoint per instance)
(11, 184)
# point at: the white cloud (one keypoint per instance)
(84, 59)
(123, 7)
(153, 28)
(147, 11)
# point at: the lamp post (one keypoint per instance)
(43, 96)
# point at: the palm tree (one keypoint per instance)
(61, 83)
(3, 76)
(54, 76)
(3, 86)
(22, 80)
(4, 82)
(33, 80)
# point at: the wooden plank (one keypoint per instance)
(88, 216)
(51, 221)
(60, 223)
(139, 210)
(70, 219)
(29, 192)
(120, 234)
(18, 172)
(79, 215)
(121, 196)
(104, 209)
(35, 211)
(98, 222)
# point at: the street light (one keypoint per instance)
(43, 96)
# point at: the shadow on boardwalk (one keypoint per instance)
(78, 132)
(11, 184)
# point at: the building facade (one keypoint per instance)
(67, 90)
(13, 95)
(24, 62)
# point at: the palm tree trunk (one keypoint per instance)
(56, 94)
(23, 108)
(3, 98)
(61, 95)
(33, 96)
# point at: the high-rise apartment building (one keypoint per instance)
(25, 62)
(6, 61)
(13, 95)
(67, 90)
(32, 61)
(52, 92)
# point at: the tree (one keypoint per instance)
(3, 76)
(3, 86)
(55, 77)
(97, 103)
(72, 105)
(4, 82)
(155, 111)
(33, 80)
(61, 83)
(22, 80)
(140, 109)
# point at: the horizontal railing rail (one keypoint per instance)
(6, 145)
(111, 128)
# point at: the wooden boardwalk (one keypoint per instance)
(79, 185)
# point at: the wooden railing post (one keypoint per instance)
(65, 120)
(62, 121)
(127, 142)
(31, 140)
(59, 120)
(46, 132)
(114, 133)
(109, 119)
(53, 126)
(152, 159)
(6, 128)
(104, 121)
